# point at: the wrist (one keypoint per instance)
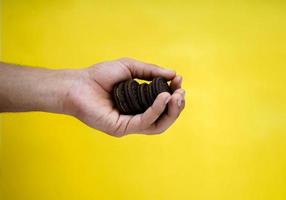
(57, 89)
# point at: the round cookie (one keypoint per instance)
(159, 85)
(142, 91)
(116, 99)
(150, 97)
(131, 96)
(120, 100)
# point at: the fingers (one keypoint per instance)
(154, 111)
(145, 70)
(175, 106)
(176, 83)
(146, 119)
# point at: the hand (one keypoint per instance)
(86, 94)
(90, 100)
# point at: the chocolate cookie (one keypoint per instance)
(131, 95)
(142, 96)
(159, 85)
(119, 97)
(150, 96)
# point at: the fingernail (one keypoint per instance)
(167, 100)
(179, 102)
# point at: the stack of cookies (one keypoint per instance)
(132, 98)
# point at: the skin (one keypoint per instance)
(86, 94)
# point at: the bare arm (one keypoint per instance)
(34, 89)
(85, 94)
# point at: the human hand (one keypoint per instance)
(86, 94)
(89, 99)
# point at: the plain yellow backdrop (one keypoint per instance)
(229, 142)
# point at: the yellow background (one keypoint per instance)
(230, 141)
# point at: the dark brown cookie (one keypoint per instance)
(142, 96)
(116, 98)
(149, 95)
(120, 100)
(131, 96)
(159, 85)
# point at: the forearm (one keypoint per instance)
(34, 89)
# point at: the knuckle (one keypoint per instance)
(118, 134)
(179, 91)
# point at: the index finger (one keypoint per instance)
(174, 110)
(146, 71)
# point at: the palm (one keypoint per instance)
(97, 108)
